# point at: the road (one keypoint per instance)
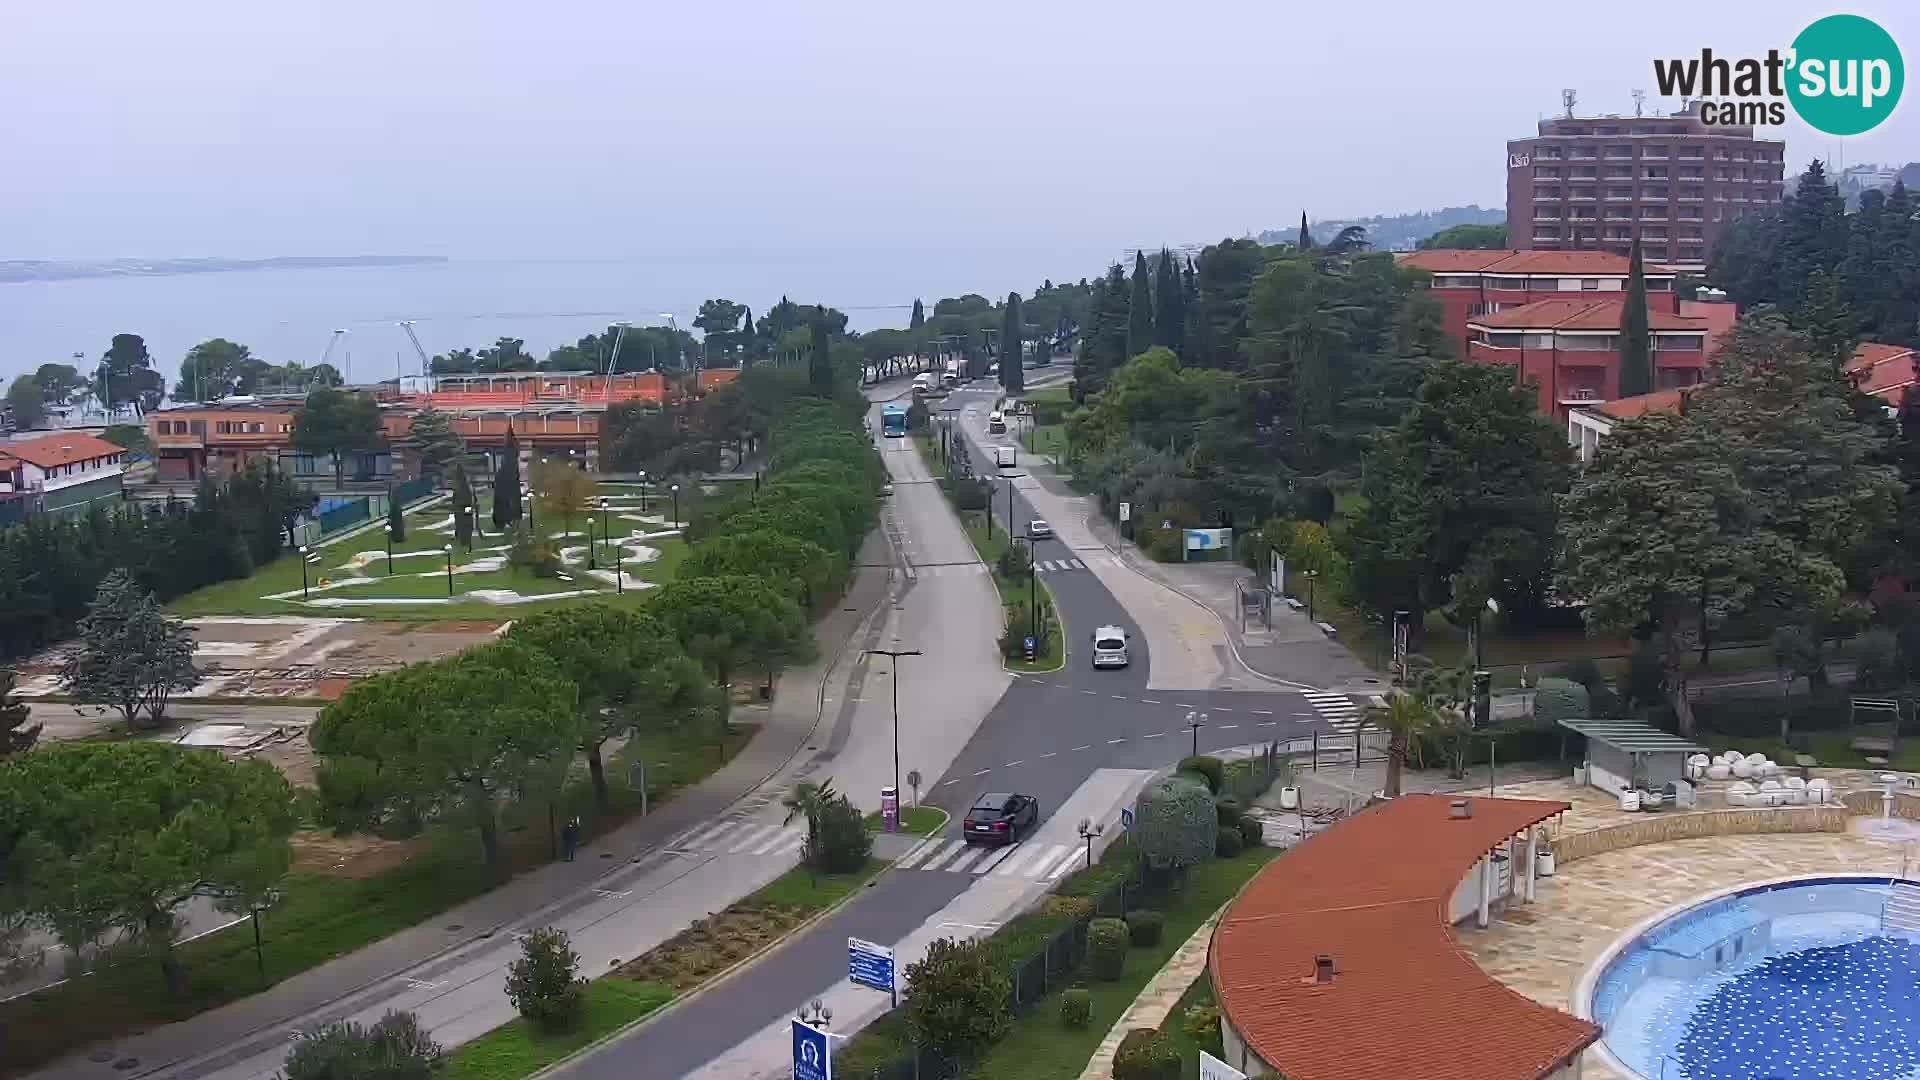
(1082, 741)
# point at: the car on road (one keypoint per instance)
(1038, 530)
(1110, 647)
(886, 490)
(1000, 818)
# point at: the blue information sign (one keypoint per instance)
(869, 964)
(812, 1055)
(1126, 819)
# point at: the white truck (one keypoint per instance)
(951, 377)
(1003, 457)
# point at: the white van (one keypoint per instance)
(1004, 457)
(922, 384)
(1109, 647)
(996, 423)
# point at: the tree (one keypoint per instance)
(733, 621)
(396, 1047)
(506, 484)
(1175, 822)
(958, 1001)
(808, 572)
(1169, 304)
(122, 834)
(918, 321)
(1405, 719)
(566, 491)
(336, 422)
(1636, 343)
(396, 519)
(1800, 653)
(131, 655)
(433, 438)
(808, 801)
(630, 673)
(60, 384)
(1013, 372)
(27, 403)
(216, 368)
(1304, 241)
(545, 983)
(1468, 237)
(462, 506)
(820, 361)
(15, 736)
(447, 739)
(126, 375)
(1139, 309)
(1827, 320)
(718, 319)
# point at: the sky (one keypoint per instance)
(585, 128)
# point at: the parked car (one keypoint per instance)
(999, 818)
(1038, 530)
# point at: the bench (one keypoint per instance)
(1295, 604)
(1328, 628)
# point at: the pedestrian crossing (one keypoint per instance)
(1338, 710)
(1028, 861)
(971, 569)
(742, 838)
(1054, 566)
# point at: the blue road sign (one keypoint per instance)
(869, 964)
(812, 1054)
(1126, 819)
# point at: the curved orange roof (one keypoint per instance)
(1405, 1000)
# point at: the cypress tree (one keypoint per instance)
(746, 335)
(1139, 310)
(1193, 331)
(506, 485)
(1013, 375)
(1636, 343)
(919, 320)
(820, 361)
(1827, 319)
(1305, 241)
(1169, 305)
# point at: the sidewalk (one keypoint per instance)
(786, 726)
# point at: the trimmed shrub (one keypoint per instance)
(1144, 927)
(1557, 699)
(1252, 833)
(1076, 908)
(1107, 948)
(1229, 811)
(845, 842)
(958, 1004)
(394, 1048)
(1175, 823)
(544, 984)
(1227, 843)
(1076, 1007)
(1208, 766)
(1202, 1025)
(1146, 1054)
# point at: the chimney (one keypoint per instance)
(1460, 809)
(1323, 968)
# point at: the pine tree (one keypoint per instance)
(820, 361)
(1813, 232)
(506, 485)
(15, 736)
(1169, 304)
(1825, 318)
(1139, 309)
(1305, 240)
(1636, 343)
(1013, 373)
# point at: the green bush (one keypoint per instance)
(534, 554)
(1557, 699)
(1076, 1007)
(1013, 640)
(544, 984)
(1227, 843)
(1107, 948)
(1144, 926)
(1175, 822)
(1252, 833)
(1146, 1054)
(844, 842)
(1208, 766)
(1228, 811)
(1202, 1025)
(1014, 562)
(394, 1048)
(958, 1004)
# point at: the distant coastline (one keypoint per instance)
(16, 270)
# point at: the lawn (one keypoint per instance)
(1048, 441)
(914, 820)
(1199, 995)
(324, 916)
(516, 1049)
(1017, 597)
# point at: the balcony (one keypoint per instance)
(184, 441)
(1614, 196)
(1581, 396)
(1546, 218)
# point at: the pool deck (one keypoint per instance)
(1543, 949)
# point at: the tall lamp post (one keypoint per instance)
(675, 490)
(896, 654)
(472, 525)
(1088, 830)
(591, 565)
(1196, 721)
(1310, 575)
(303, 570)
(448, 548)
(531, 495)
(643, 491)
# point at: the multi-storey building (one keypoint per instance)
(60, 473)
(1472, 284)
(1596, 183)
(1569, 350)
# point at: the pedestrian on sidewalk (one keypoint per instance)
(570, 838)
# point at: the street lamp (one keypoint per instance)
(1196, 721)
(643, 491)
(1088, 830)
(1478, 662)
(1311, 574)
(896, 654)
(389, 533)
(591, 565)
(448, 548)
(303, 570)
(531, 495)
(675, 489)
(815, 1014)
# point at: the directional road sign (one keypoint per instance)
(869, 964)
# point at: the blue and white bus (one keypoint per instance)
(893, 422)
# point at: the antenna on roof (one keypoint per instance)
(1567, 100)
(1639, 102)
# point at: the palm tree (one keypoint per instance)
(1404, 718)
(810, 800)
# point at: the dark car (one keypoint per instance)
(1000, 819)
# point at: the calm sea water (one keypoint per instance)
(291, 314)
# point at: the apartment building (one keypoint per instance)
(1597, 183)
(60, 473)
(1569, 350)
(1473, 284)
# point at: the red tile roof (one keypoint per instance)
(1405, 1000)
(1452, 260)
(49, 451)
(1886, 371)
(1628, 408)
(1583, 314)
(1462, 261)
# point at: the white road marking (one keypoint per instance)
(1155, 735)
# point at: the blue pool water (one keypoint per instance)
(1784, 982)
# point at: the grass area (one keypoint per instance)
(718, 942)
(517, 1049)
(1200, 996)
(1017, 598)
(914, 820)
(1048, 441)
(324, 916)
(1832, 749)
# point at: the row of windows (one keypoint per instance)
(78, 467)
(1472, 281)
(220, 427)
(1515, 339)
(1652, 152)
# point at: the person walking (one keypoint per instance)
(570, 837)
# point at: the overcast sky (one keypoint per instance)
(582, 127)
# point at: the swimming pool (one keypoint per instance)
(1790, 980)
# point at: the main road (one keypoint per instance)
(1081, 741)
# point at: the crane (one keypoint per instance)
(332, 344)
(613, 359)
(425, 364)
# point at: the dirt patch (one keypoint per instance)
(460, 626)
(319, 851)
(294, 758)
(712, 945)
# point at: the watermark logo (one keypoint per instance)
(1842, 75)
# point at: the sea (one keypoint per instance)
(291, 314)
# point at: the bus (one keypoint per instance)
(893, 422)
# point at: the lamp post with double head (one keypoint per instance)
(896, 654)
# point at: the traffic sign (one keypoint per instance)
(812, 1053)
(1212, 1068)
(1126, 512)
(1126, 819)
(869, 964)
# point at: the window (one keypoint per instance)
(1658, 191)
(1679, 342)
(1589, 342)
(1537, 341)
(1659, 285)
(1606, 131)
(1655, 151)
(1656, 172)
(1546, 172)
(1590, 284)
(1509, 339)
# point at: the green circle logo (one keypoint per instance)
(1846, 75)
